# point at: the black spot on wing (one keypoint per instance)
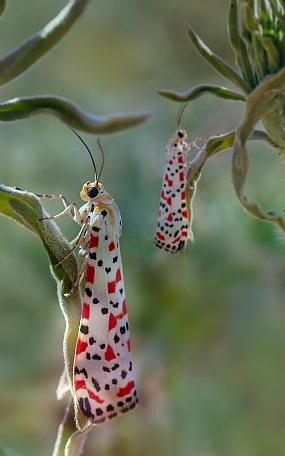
(96, 357)
(84, 404)
(96, 384)
(84, 329)
(88, 292)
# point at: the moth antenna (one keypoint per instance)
(103, 158)
(179, 115)
(89, 151)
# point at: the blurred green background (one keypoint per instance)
(207, 326)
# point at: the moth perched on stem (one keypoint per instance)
(173, 226)
(104, 381)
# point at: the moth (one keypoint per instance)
(104, 380)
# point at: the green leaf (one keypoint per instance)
(249, 20)
(70, 441)
(75, 443)
(261, 102)
(213, 146)
(26, 209)
(238, 44)
(199, 90)
(216, 62)
(69, 113)
(271, 51)
(63, 386)
(266, 16)
(258, 54)
(28, 52)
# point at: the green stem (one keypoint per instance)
(28, 52)
(69, 113)
(199, 90)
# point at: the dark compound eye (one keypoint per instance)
(180, 134)
(92, 192)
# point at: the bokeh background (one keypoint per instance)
(207, 326)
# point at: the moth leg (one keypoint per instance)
(63, 199)
(71, 209)
(77, 240)
(79, 277)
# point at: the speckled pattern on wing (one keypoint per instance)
(173, 226)
(104, 381)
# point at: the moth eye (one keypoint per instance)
(181, 134)
(92, 192)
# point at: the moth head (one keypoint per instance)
(182, 135)
(91, 191)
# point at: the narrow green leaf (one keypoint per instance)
(239, 46)
(259, 58)
(69, 441)
(66, 428)
(3, 4)
(199, 90)
(28, 52)
(69, 113)
(249, 20)
(75, 443)
(213, 146)
(265, 13)
(258, 54)
(216, 62)
(271, 51)
(63, 386)
(191, 189)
